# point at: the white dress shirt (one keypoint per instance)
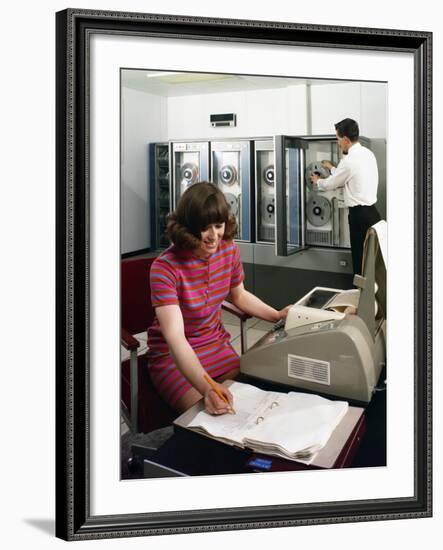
(357, 172)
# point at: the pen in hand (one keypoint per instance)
(218, 392)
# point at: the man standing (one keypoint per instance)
(357, 172)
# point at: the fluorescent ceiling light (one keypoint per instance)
(188, 78)
(157, 74)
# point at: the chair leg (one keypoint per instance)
(133, 366)
(243, 337)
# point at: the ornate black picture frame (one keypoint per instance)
(74, 30)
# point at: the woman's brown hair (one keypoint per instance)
(201, 205)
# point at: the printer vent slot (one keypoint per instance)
(312, 370)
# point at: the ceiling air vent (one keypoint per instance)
(227, 119)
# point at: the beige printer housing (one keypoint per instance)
(325, 351)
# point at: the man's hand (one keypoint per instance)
(327, 164)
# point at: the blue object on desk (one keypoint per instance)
(260, 463)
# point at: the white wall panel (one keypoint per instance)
(259, 113)
(334, 102)
(365, 102)
(373, 109)
(144, 121)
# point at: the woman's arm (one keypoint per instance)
(171, 324)
(247, 302)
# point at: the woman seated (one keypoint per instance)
(189, 282)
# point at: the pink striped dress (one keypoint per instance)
(199, 287)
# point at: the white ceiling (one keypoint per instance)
(168, 84)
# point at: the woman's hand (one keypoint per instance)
(214, 404)
(283, 313)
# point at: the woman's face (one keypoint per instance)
(210, 238)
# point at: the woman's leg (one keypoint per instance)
(230, 375)
(187, 400)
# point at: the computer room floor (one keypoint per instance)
(255, 329)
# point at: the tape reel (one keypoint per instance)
(268, 210)
(318, 169)
(269, 174)
(318, 210)
(189, 173)
(228, 174)
(232, 200)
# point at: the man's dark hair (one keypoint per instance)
(348, 128)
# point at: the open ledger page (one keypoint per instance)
(299, 425)
(293, 425)
(250, 403)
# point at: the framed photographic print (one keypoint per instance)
(140, 97)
